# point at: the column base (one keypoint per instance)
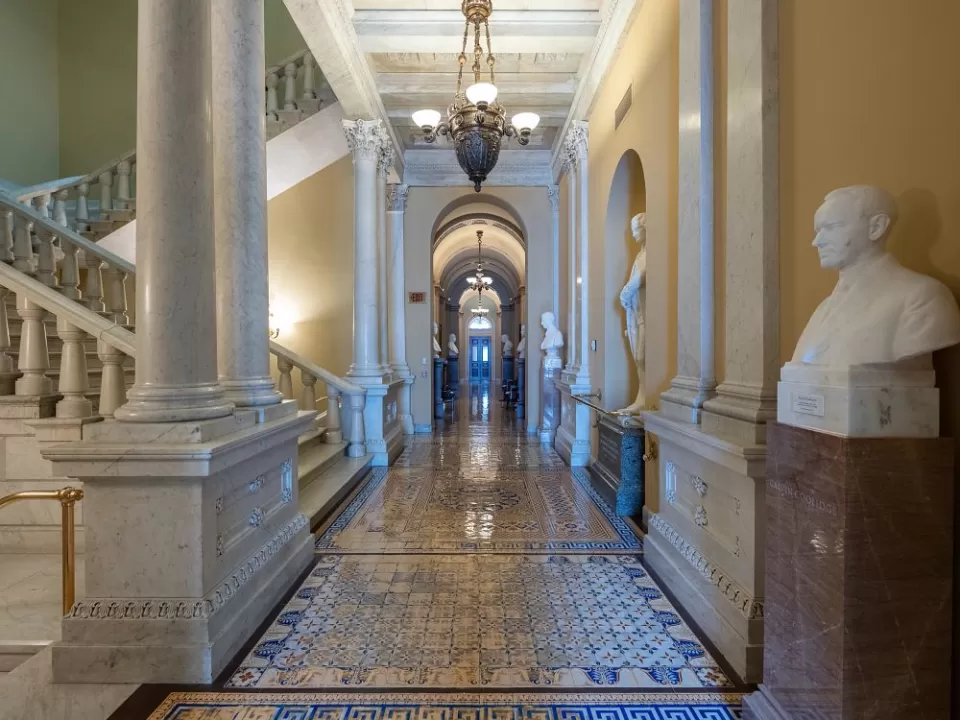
(573, 441)
(251, 392)
(174, 404)
(685, 398)
(740, 412)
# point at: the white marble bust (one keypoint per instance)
(879, 312)
(633, 300)
(452, 346)
(507, 346)
(522, 345)
(436, 343)
(552, 337)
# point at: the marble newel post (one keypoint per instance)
(190, 506)
(396, 296)
(240, 203)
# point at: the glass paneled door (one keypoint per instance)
(480, 359)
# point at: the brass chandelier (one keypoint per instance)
(475, 120)
(479, 281)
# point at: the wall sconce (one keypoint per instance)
(282, 318)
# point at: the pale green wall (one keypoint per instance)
(28, 91)
(282, 36)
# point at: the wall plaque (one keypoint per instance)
(808, 404)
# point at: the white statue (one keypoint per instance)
(879, 312)
(552, 337)
(452, 346)
(633, 298)
(522, 345)
(436, 343)
(507, 346)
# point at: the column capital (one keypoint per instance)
(364, 138)
(397, 197)
(553, 195)
(578, 139)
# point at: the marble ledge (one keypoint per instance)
(749, 460)
(123, 458)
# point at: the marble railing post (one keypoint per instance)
(23, 245)
(176, 282)
(83, 212)
(69, 270)
(273, 104)
(74, 381)
(356, 447)
(240, 204)
(34, 357)
(695, 381)
(570, 170)
(383, 169)
(106, 190)
(553, 195)
(365, 139)
(115, 295)
(113, 383)
(290, 86)
(285, 368)
(334, 432)
(60, 207)
(396, 299)
(308, 77)
(124, 170)
(308, 399)
(6, 238)
(93, 285)
(46, 259)
(8, 370)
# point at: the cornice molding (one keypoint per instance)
(439, 168)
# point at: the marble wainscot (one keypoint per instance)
(618, 473)
(859, 577)
(385, 438)
(193, 535)
(573, 433)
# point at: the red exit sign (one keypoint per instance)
(416, 297)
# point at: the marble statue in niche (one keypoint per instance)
(507, 346)
(522, 345)
(552, 337)
(633, 298)
(436, 343)
(879, 312)
(452, 346)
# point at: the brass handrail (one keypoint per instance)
(67, 497)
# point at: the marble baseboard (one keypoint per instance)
(761, 705)
(740, 646)
(573, 452)
(156, 650)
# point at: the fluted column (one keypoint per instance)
(579, 145)
(176, 299)
(240, 203)
(364, 139)
(396, 292)
(384, 162)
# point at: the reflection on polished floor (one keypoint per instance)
(477, 563)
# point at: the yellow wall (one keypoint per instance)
(649, 60)
(868, 92)
(28, 91)
(310, 229)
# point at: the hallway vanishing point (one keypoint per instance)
(481, 570)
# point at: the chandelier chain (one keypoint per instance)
(491, 60)
(463, 57)
(477, 51)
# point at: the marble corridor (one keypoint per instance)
(477, 577)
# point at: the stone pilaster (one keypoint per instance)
(397, 301)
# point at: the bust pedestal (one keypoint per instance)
(618, 474)
(438, 365)
(507, 369)
(521, 387)
(859, 515)
(550, 417)
(453, 374)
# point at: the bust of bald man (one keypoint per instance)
(879, 312)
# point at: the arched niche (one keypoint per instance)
(628, 196)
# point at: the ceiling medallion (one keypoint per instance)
(475, 120)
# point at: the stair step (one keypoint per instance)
(325, 492)
(317, 458)
(128, 204)
(117, 215)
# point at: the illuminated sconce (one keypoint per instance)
(282, 317)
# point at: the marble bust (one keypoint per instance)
(436, 343)
(552, 337)
(452, 346)
(522, 345)
(633, 300)
(507, 348)
(879, 312)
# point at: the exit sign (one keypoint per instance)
(416, 297)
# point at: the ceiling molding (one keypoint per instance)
(488, 219)
(433, 168)
(616, 17)
(327, 27)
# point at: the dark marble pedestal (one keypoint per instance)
(618, 474)
(507, 369)
(453, 374)
(521, 387)
(857, 614)
(438, 365)
(550, 397)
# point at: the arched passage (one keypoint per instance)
(628, 196)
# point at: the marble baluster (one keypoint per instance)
(93, 283)
(176, 280)
(115, 295)
(272, 101)
(124, 170)
(46, 257)
(60, 207)
(69, 270)
(41, 203)
(289, 86)
(106, 190)
(23, 245)
(365, 139)
(240, 204)
(34, 358)
(285, 368)
(334, 432)
(74, 381)
(83, 210)
(396, 300)
(6, 237)
(308, 399)
(8, 372)
(309, 82)
(356, 447)
(113, 382)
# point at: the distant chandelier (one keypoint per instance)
(479, 281)
(475, 120)
(480, 311)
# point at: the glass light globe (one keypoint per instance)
(487, 280)
(426, 118)
(482, 93)
(526, 121)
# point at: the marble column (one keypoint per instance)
(176, 290)
(553, 195)
(364, 139)
(384, 161)
(695, 381)
(397, 301)
(747, 398)
(579, 137)
(570, 170)
(240, 203)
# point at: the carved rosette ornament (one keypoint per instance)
(397, 197)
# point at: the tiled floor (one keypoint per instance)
(477, 566)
